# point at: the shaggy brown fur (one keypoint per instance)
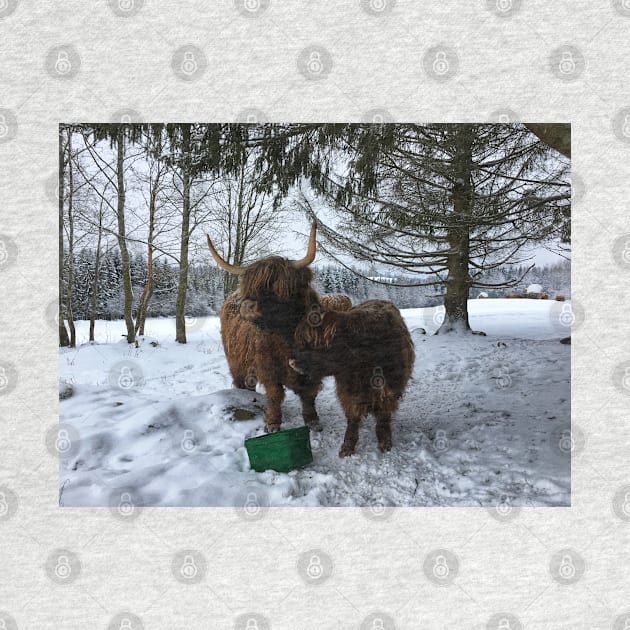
(369, 351)
(335, 302)
(255, 356)
(257, 348)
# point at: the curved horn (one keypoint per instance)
(310, 252)
(224, 265)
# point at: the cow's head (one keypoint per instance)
(275, 292)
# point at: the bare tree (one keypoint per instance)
(244, 218)
(70, 258)
(157, 171)
(64, 339)
(96, 271)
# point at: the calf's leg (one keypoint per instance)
(307, 396)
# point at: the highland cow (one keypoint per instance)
(369, 351)
(255, 355)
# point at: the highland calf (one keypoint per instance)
(369, 351)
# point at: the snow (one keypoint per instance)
(485, 421)
(534, 288)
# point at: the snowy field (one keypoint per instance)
(484, 422)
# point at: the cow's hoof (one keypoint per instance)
(384, 446)
(346, 451)
(272, 428)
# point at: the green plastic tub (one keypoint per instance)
(282, 451)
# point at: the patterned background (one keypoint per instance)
(322, 569)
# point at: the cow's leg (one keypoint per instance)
(351, 437)
(384, 432)
(273, 415)
(309, 413)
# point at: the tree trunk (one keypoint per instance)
(69, 315)
(64, 340)
(97, 267)
(180, 307)
(122, 237)
(458, 281)
(147, 292)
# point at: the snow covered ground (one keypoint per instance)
(485, 421)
